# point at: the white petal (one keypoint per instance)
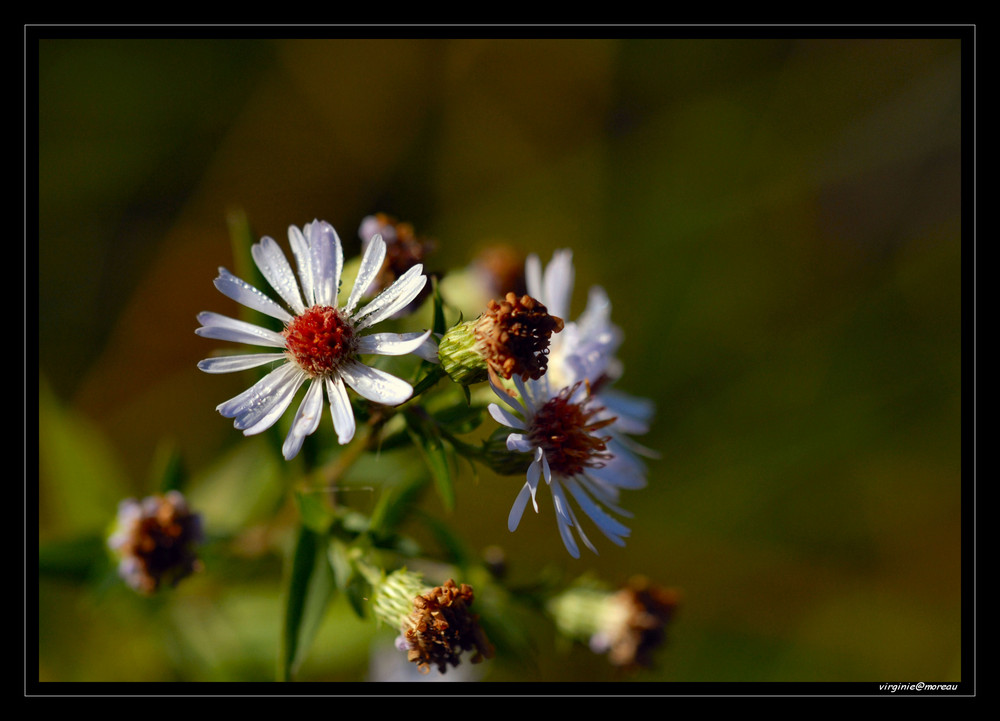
(376, 385)
(517, 510)
(428, 350)
(519, 442)
(531, 393)
(533, 279)
(393, 299)
(340, 409)
(558, 284)
(371, 264)
(274, 266)
(392, 343)
(278, 409)
(535, 470)
(503, 395)
(274, 390)
(245, 294)
(546, 471)
(505, 418)
(566, 519)
(222, 327)
(567, 536)
(620, 473)
(233, 363)
(303, 259)
(613, 529)
(306, 420)
(327, 262)
(607, 495)
(632, 411)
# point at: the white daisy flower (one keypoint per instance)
(564, 433)
(321, 341)
(585, 350)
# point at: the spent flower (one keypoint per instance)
(627, 624)
(321, 340)
(436, 625)
(155, 540)
(511, 338)
(403, 250)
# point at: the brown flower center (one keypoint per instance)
(319, 339)
(514, 334)
(441, 626)
(162, 545)
(565, 432)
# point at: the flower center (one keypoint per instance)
(319, 339)
(564, 430)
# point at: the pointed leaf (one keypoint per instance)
(308, 593)
(435, 454)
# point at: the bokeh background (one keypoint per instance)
(777, 222)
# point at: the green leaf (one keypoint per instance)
(310, 588)
(435, 454)
(439, 326)
(341, 563)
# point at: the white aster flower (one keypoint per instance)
(563, 432)
(320, 342)
(586, 349)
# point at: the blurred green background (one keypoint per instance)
(777, 223)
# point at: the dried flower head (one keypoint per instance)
(155, 540)
(441, 627)
(403, 248)
(435, 624)
(515, 334)
(628, 624)
(645, 610)
(510, 339)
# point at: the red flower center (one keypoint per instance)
(319, 339)
(564, 430)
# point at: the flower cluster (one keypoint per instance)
(569, 419)
(562, 423)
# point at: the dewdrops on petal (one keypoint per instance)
(155, 541)
(565, 435)
(321, 339)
